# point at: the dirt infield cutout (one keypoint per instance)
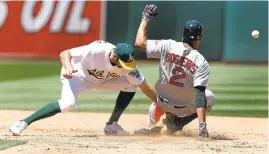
(82, 133)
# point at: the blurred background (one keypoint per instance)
(33, 33)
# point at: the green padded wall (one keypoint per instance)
(241, 18)
(123, 19)
(227, 26)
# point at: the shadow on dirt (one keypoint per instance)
(191, 134)
(212, 135)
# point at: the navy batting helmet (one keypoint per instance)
(193, 30)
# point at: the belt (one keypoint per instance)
(168, 102)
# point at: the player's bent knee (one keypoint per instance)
(155, 114)
(67, 105)
(211, 99)
(151, 121)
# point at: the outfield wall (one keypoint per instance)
(169, 23)
(44, 29)
(240, 19)
(227, 26)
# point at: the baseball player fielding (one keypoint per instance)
(99, 66)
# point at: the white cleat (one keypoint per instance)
(115, 129)
(17, 127)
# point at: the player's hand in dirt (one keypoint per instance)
(149, 12)
(68, 73)
(203, 133)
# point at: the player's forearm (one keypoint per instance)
(200, 102)
(65, 57)
(141, 36)
(148, 90)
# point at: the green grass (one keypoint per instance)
(5, 144)
(17, 70)
(241, 90)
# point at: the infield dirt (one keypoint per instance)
(82, 133)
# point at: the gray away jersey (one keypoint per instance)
(181, 69)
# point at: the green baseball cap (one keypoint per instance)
(125, 53)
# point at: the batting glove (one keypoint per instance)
(149, 12)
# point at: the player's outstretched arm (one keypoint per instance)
(65, 57)
(141, 37)
(148, 90)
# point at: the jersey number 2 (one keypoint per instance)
(178, 73)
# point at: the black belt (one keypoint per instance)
(166, 101)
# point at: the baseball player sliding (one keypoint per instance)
(183, 77)
(96, 66)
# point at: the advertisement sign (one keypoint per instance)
(45, 28)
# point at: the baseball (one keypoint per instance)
(255, 34)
